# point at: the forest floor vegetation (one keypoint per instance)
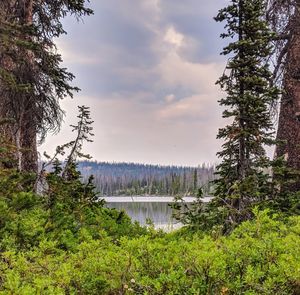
(65, 242)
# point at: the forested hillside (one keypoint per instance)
(138, 179)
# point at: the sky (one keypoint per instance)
(147, 70)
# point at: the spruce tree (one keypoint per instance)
(32, 80)
(249, 94)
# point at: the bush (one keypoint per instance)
(259, 257)
(67, 242)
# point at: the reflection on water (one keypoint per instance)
(159, 213)
(154, 208)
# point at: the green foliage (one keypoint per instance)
(84, 133)
(243, 181)
(259, 257)
(35, 71)
(67, 210)
(199, 215)
(66, 242)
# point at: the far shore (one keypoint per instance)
(150, 199)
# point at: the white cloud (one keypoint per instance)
(175, 71)
(173, 37)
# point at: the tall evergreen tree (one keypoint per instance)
(32, 80)
(284, 17)
(249, 95)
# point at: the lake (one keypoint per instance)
(143, 208)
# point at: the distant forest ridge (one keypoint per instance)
(113, 179)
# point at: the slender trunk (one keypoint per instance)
(237, 203)
(242, 146)
(28, 125)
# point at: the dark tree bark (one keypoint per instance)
(28, 140)
(17, 107)
(288, 133)
(8, 129)
(28, 128)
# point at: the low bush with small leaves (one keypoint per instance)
(95, 253)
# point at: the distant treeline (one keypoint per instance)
(138, 179)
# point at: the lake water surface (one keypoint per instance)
(154, 208)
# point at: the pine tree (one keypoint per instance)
(32, 80)
(246, 81)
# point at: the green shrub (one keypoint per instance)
(259, 257)
(67, 242)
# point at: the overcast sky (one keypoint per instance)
(147, 69)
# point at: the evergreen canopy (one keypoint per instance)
(246, 81)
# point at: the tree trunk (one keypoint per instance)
(28, 139)
(28, 125)
(289, 118)
(8, 124)
(18, 106)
